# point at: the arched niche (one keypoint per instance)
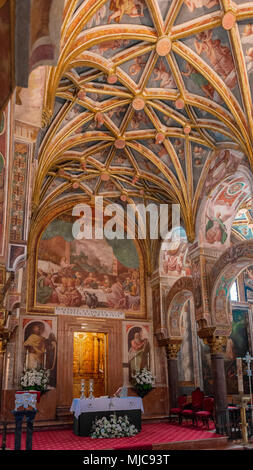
(180, 293)
(226, 269)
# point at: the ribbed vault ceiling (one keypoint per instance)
(143, 94)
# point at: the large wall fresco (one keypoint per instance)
(237, 346)
(87, 273)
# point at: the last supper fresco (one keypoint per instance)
(86, 273)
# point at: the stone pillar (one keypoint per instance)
(4, 337)
(217, 345)
(1, 375)
(172, 349)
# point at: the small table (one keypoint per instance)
(88, 409)
(25, 406)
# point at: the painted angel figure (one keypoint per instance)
(219, 56)
(137, 66)
(247, 34)
(192, 4)
(163, 76)
(116, 111)
(216, 230)
(249, 59)
(132, 8)
(137, 119)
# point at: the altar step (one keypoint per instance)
(219, 443)
(154, 418)
(52, 425)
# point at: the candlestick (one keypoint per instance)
(239, 374)
(26, 359)
(91, 388)
(45, 359)
(82, 389)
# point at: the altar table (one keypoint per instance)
(87, 410)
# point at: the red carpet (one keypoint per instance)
(153, 433)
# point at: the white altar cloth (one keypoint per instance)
(90, 405)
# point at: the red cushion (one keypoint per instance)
(187, 412)
(182, 401)
(175, 410)
(203, 413)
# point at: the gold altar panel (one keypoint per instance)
(89, 362)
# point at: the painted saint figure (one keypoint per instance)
(216, 230)
(35, 345)
(139, 350)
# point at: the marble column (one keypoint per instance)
(172, 349)
(217, 345)
(1, 375)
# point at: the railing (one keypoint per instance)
(228, 422)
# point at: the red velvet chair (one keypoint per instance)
(207, 413)
(196, 405)
(177, 411)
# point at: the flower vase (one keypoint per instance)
(142, 392)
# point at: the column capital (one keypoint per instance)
(216, 340)
(172, 347)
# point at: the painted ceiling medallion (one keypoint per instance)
(179, 103)
(81, 94)
(163, 46)
(105, 177)
(112, 79)
(159, 138)
(228, 20)
(120, 143)
(187, 129)
(138, 103)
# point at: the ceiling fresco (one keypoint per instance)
(242, 226)
(144, 93)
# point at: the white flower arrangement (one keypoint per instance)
(143, 381)
(113, 427)
(35, 379)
